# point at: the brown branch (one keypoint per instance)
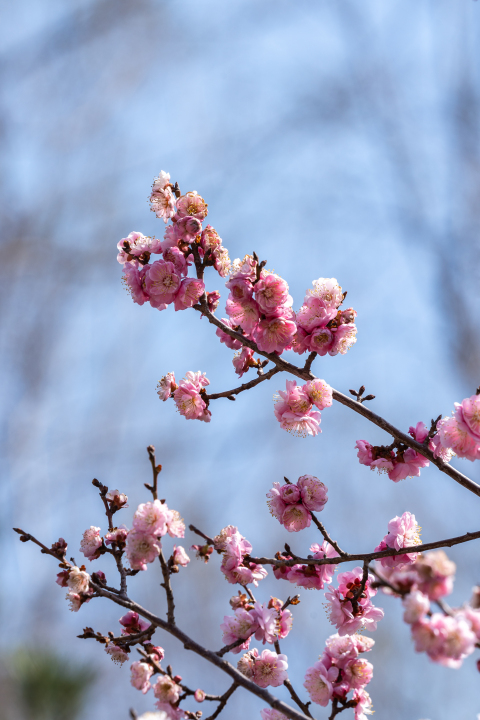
(168, 589)
(368, 557)
(156, 469)
(209, 540)
(306, 375)
(303, 706)
(309, 361)
(223, 701)
(327, 537)
(245, 386)
(223, 651)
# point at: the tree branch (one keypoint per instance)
(305, 374)
(327, 537)
(245, 386)
(168, 589)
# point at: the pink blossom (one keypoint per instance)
(166, 689)
(314, 492)
(314, 314)
(300, 341)
(133, 623)
(222, 262)
(446, 640)
(62, 578)
(435, 445)
(408, 466)
(296, 518)
(243, 574)
(343, 649)
(240, 287)
(267, 621)
(382, 465)
(291, 416)
(192, 205)
(350, 616)
(345, 336)
(166, 386)
(435, 573)
(134, 281)
(468, 413)
(118, 655)
(91, 543)
(140, 676)
(321, 341)
(78, 580)
(117, 535)
(189, 401)
(152, 517)
(283, 572)
(157, 653)
(363, 705)
(270, 292)
(213, 298)
(274, 335)
(189, 293)
(455, 436)
(142, 548)
(364, 452)
(319, 392)
(210, 239)
(290, 494)
(241, 626)
(402, 532)
(319, 683)
(175, 525)
(246, 267)
(187, 229)
(168, 712)
(243, 361)
(117, 499)
(416, 605)
(230, 342)
(175, 256)
(266, 669)
(179, 556)
(358, 672)
(75, 601)
(271, 714)
(327, 290)
(245, 313)
(315, 576)
(275, 503)
(162, 199)
(135, 246)
(199, 695)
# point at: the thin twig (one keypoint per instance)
(209, 540)
(327, 537)
(245, 386)
(303, 706)
(156, 469)
(224, 699)
(168, 589)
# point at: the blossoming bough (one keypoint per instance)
(262, 326)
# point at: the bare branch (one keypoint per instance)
(245, 386)
(327, 537)
(156, 469)
(168, 589)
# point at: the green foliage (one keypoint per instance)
(49, 687)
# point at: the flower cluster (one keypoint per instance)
(293, 505)
(151, 521)
(398, 462)
(235, 566)
(340, 670)
(460, 434)
(402, 532)
(309, 576)
(294, 407)
(267, 668)
(350, 606)
(267, 622)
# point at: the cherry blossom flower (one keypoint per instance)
(152, 517)
(240, 287)
(153, 716)
(358, 672)
(199, 695)
(347, 611)
(315, 576)
(224, 338)
(117, 535)
(162, 199)
(274, 335)
(170, 712)
(179, 556)
(455, 437)
(318, 683)
(187, 229)
(468, 414)
(132, 623)
(321, 341)
(319, 392)
(296, 518)
(189, 293)
(300, 341)
(402, 532)
(175, 525)
(363, 705)
(118, 655)
(344, 337)
(243, 361)
(240, 626)
(142, 548)
(213, 298)
(364, 452)
(313, 492)
(265, 669)
(78, 580)
(137, 246)
(298, 423)
(117, 499)
(245, 313)
(416, 605)
(134, 280)
(91, 543)
(271, 291)
(162, 282)
(314, 314)
(166, 689)
(188, 400)
(166, 386)
(192, 205)
(140, 676)
(435, 573)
